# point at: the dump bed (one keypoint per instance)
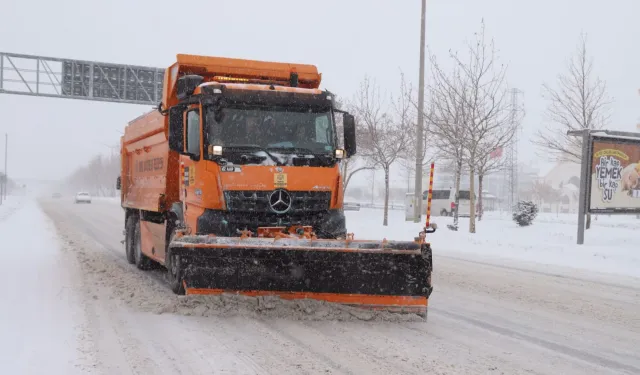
(149, 168)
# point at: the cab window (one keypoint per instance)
(193, 133)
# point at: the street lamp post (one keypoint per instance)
(6, 176)
(419, 133)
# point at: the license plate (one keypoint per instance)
(280, 180)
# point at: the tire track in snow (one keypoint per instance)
(361, 357)
(549, 345)
(543, 273)
(109, 319)
(105, 229)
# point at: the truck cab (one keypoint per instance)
(259, 152)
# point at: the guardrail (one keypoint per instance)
(392, 205)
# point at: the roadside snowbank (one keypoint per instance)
(10, 205)
(611, 245)
(113, 200)
(41, 321)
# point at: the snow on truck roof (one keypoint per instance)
(244, 68)
(210, 67)
(259, 86)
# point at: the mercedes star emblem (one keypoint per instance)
(280, 201)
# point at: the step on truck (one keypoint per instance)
(233, 184)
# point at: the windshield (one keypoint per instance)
(272, 129)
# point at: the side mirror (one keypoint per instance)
(176, 129)
(186, 85)
(349, 124)
(118, 183)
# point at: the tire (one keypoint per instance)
(141, 260)
(444, 212)
(129, 239)
(175, 271)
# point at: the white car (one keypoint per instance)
(83, 197)
(443, 202)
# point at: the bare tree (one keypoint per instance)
(383, 136)
(487, 164)
(490, 149)
(350, 167)
(97, 177)
(355, 164)
(579, 102)
(447, 119)
(478, 87)
(543, 192)
(408, 104)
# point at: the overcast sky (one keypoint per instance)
(345, 39)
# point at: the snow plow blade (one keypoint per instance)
(386, 275)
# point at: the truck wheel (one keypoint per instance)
(129, 239)
(141, 260)
(444, 212)
(175, 268)
(175, 274)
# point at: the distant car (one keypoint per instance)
(443, 202)
(350, 206)
(83, 197)
(56, 195)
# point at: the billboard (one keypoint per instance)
(614, 176)
(111, 81)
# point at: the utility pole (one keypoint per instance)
(6, 177)
(417, 195)
(3, 177)
(373, 185)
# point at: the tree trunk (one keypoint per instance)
(472, 200)
(385, 222)
(480, 206)
(457, 198)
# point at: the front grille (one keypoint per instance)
(303, 203)
(253, 221)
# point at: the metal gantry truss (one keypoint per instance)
(79, 79)
(511, 170)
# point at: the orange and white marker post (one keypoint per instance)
(428, 223)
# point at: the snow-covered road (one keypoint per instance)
(75, 304)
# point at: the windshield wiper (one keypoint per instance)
(297, 150)
(255, 148)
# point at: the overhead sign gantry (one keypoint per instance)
(79, 79)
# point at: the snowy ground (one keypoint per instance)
(40, 318)
(9, 206)
(611, 245)
(74, 304)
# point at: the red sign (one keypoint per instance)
(497, 153)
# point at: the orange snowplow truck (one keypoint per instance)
(234, 185)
